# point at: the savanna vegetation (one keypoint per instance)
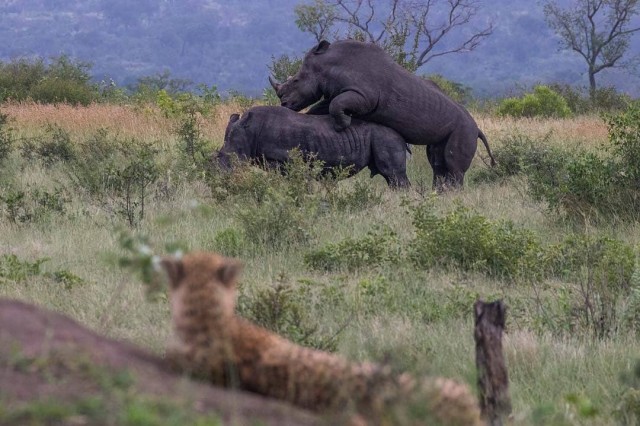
(347, 266)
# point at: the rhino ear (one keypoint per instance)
(246, 117)
(233, 118)
(321, 47)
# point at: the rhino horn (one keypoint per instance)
(276, 86)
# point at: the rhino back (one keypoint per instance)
(278, 130)
(402, 100)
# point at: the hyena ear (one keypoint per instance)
(174, 269)
(229, 271)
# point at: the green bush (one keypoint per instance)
(465, 239)
(55, 146)
(14, 269)
(520, 154)
(543, 102)
(583, 186)
(283, 309)
(229, 242)
(361, 195)
(33, 205)
(579, 100)
(608, 261)
(586, 185)
(6, 137)
(375, 248)
(57, 90)
(624, 137)
(60, 80)
(117, 174)
(597, 286)
(276, 222)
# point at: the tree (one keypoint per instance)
(598, 30)
(412, 31)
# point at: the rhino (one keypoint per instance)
(357, 79)
(268, 133)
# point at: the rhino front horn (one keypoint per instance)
(276, 86)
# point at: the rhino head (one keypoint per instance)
(222, 157)
(304, 88)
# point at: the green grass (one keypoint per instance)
(417, 319)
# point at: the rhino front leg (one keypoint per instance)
(346, 104)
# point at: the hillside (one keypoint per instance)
(229, 43)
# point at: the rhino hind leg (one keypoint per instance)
(435, 155)
(452, 158)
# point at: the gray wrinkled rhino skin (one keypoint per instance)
(268, 133)
(359, 79)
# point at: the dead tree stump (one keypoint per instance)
(493, 380)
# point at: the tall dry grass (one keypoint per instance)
(146, 122)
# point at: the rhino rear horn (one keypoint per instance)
(276, 86)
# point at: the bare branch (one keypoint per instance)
(410, 30)
(595, 29)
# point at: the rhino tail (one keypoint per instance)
(486, 145)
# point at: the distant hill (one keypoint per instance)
(229, 43)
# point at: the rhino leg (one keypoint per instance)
(435, 155)
(346, 104)
(458, 154)
(452, 158)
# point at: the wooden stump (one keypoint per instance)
(493, 380)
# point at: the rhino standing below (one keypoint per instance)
(361, 80)
(269, 132)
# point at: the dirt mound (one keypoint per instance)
(54, 370)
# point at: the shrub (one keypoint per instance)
(6, 137)
(194, 149)
(52, 148)
(276, 222)
(378, 246)
(281, 309)
(358, 197)
(229, 242)
(521, 154)
(583, 186)
(471, 242)
(117, 174)
(34, 205)
(597, 272)
(587, 185)
(14, 269)
(57, 90)
(543, 102)
(579, 100)
(624, 137)
(60, 80)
